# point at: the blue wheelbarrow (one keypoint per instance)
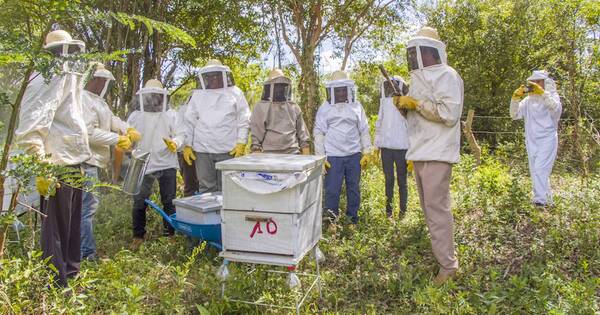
(211, 233)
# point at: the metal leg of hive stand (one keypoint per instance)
(315, 249)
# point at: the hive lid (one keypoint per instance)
(272, 162)
(202, 203)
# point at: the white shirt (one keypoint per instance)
(434, 127)
(217, 120)
(391, 127)
(154, 127)
(103, 128)
(345, 128)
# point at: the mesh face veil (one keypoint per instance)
(277, 90)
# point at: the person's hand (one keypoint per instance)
(519, 93)
(410, 166)
(124, 143)
(239, 150)
(44, 186)
(405, 102)
(188, 155)
(536, 88)
(134, 135)
(305, 151)
(326, 166)
(171, 145)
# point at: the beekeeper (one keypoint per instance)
(391, 137)
(276, 123)
(541, 110)
(51, 124)
(161, 137)
(104, 130)
(216, 124)
(341, 134)
(434, 104)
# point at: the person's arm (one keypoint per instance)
(38, 108)
(258, 127)
(363, 129)
(243, 118)
(96, 135)
(516, 109)
(446, 107)
(301, 130)
(177, 132)
(378, 125)
(320, 130)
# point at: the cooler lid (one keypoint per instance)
(202, 203)
(272, 162)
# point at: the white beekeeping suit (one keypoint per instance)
(541, 113)
(341, 124)
(391, 127)
(434, 104)
(433, 128)
(51, 117)
(103, 126)
(217, 117)
(156, 122)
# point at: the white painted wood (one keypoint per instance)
(199, 209)
(259, 232)
(272, 162)
(260, 258)
(295, 199)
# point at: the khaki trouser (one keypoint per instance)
(433, 184)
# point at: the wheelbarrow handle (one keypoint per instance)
(160, 211)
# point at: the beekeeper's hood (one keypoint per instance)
(153, 97)
(425, 49)
(61, 42)
(549, 84)
(277, 88)
(101, 72)
(214, 75)
(340, 89)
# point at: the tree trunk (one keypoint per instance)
(10, 132)
(309, 87)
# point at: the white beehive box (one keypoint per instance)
(271, 207)
(199, 209)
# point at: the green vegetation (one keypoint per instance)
(514, 259)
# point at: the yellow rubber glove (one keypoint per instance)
(171, 145)
(134, 135)
(519, 93)
(536, 88)
(44, 184)
(326, 166)
(239, 150)
(124, 143)
(188, 155)
(405, 102)
(305, 151)
(410, 166)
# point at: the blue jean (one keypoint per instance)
(343, 168)
(88, 210)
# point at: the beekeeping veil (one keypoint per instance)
(277, 88)
(340, 89)
(214, 75)
(388, 91)
(153, 97)
(425, 49)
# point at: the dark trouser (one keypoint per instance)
(61, 238)
(188, 172)
(167, 182)
(389, 157)
(348, 168)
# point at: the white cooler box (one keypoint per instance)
(199, 209)
(272, 205)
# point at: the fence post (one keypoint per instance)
(468, 131)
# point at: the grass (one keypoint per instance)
(514, 259)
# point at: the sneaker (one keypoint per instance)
(136, 243)
(444, 275)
